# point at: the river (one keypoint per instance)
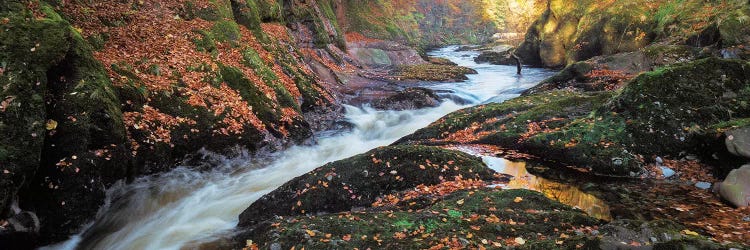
(185, 206)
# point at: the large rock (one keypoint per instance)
(410, 98)
(359, 180)
(482, 217)
(63, 132)
(736, 187)
(738, 142)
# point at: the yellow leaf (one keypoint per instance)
(51, 124)
(688, 232)
(518, 199)
(520, 241)
(310, 232)
(460, 202)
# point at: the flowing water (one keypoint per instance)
(187, 206)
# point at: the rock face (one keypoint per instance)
(610, 72)
(359, 180)
(736, 187)
(738, 142)
(408, 99)
(569, 32)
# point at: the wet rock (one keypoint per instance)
(496, 57)
(408, 99)
(736, 187)
(359, 180)
(738, 142)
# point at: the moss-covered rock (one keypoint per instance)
(359, 180)
(433, 72)
(481, 218)
(558, 126)
(410, 98)
(666, 110)
(62, 107)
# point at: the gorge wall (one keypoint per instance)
(568, 32)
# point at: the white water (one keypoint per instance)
(184, 207)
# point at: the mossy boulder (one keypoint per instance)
(557, 126)
(359, 180)
(667, 110)
(63, 119)
(410, 98)
(467, 219)
(433, 72)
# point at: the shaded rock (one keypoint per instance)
(495, 57)
(410, 98)
(736, 187)
(663, 110)
(359, 180)
(738, 142)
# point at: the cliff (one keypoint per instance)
(568, 32)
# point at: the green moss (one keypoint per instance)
(226, 31)
(28, 49)
(357, 181)
(269, 77)
(731, 124)
(434, 72)
(263, 107)
(663, 122)
(207, 42)
(311, 97)
(472, 219)
(734, 28)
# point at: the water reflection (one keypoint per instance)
(566, 194)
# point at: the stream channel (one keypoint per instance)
(188, 206)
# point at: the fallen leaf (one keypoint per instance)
(688, 232)
(51, 124)
(310, 232)
(520, 241)
(460, 202)
(517, 199)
